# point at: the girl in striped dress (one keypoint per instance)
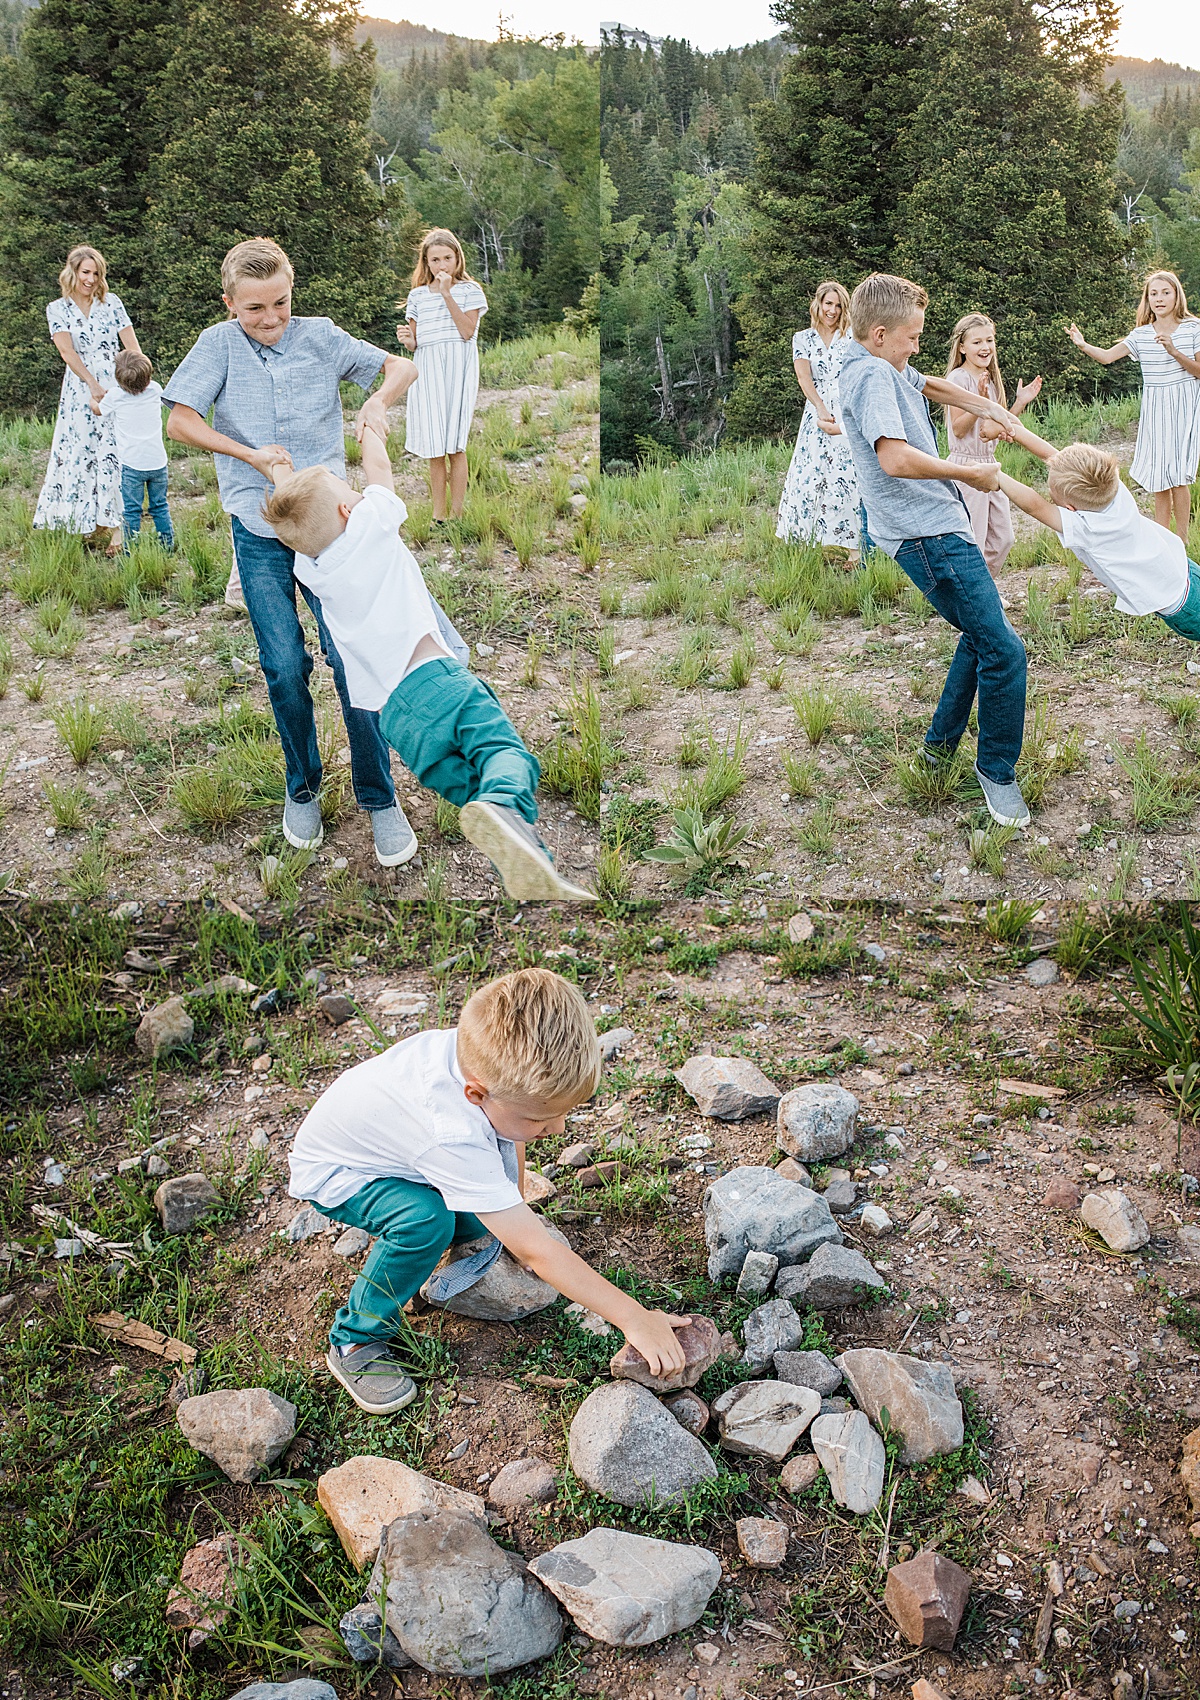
(442, 311)
(1166, 344)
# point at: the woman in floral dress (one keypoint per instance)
(88, 325)
(820, 502)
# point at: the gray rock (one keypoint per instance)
(817, 1121)
(368, 1639)
(689, 1410)
(614, 1042)
(458, 1604)
(351, 1243)
(182, 1202)
(835, 1276)
(829, 1406)
(627, 1590)
(165, 1028)
(853, 1457)
(242, 1430)
(504, 1293)
(301, 1688)
(728, 1088)
(772, 1328)
(336, 1008)
(758, 1272)
(1187, 1243)
(876, 952)
(841, 1197)
(876, 1221)
(306, 1224)
(523, 1481)
(1116, 1219)
(757, 1209)
(919, 1397)
(764, 1419)
(1042, 972)
(578, 1156)
(809, 1369)
(624, 1444)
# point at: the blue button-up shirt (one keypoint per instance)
(287, 394)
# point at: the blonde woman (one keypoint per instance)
(88, 326)
(973, 366)
(820, 501)
(1166, 344)
(442, 315)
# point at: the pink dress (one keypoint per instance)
(991, 516)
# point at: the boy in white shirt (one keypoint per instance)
(1146, 565)
(135, 408)
(446, 725)
(423, 1147)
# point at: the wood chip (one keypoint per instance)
(1030, 1089)
(128, 1332)
(236, 909)
(1045, 1623)
(555, 1382)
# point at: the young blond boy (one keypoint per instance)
(423, 1146)
(1144, 564)
(916, 514)
(135, 407)
(446, 725)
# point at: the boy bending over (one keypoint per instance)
(446, 725)
(916, 515)
(1098, 520)
(424, 1146)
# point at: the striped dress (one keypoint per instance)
(1168, 439)
(441, 402)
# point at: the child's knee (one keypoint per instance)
(425, 1225)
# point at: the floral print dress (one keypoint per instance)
(82, 488)
(820, 502)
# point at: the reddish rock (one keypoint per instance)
(689, 1409)
(762, 1541)
(926, 1598)
(799, 1473)
(201, 1599)
(922, 1690)
(596, 1174)
(363, 1495)
(703, 1344)
(1062, 1194)
(1189, 1469)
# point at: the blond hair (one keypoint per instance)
(1145, 313)
(973, 322)
(301, 509)
(1085, 476)
(68, 277)
(529, 1037)
(133, 370)
(258, 259)
(883, 299)
(423, 272)
(843, 295)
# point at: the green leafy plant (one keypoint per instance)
(81, 726)
(1007, 918)
(697, 848)
(1167, 1007)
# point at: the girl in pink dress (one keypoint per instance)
(973, 366)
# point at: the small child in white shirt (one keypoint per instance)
(446, 725)
(1098, 519)
(135, 408)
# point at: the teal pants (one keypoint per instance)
(449, 730)
(414, 1226)
(1186, 620)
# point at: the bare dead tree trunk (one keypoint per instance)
(664, 372)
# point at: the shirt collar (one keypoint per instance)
(261, 349)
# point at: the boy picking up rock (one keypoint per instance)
(423, 1146)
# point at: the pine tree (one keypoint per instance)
(828, 178)
(76, 140)
(1013, 212)
(269, 108)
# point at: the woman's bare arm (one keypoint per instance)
(73, 360)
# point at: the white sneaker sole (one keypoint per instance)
(303, 843)
(526, 873)
(398, 861)
(1002, 820)
(335, 1370)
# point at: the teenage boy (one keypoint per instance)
(916, 515)
(423, 1147)
(134, 405)
(272, 383)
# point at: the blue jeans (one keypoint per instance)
(135, 486)
(269, 587)
(990, 657)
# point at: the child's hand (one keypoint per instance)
(829, 425)
(270, 459)
(654, 1337)
(406, 336)
(1027, 391)
(1165, 340)
(1076, 335)
(1004, 419)
(984, 476)
(442, 284)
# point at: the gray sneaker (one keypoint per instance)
(517, 853)
(1005, 803)
(371, 1379)
(395, 840)
(302, 824)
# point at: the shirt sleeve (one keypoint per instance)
(915, 378)
(410, 303)
(355, 361)
(473, 298)
(388, 507)
(878, 411)
(1138, 340)
(110, 401)
(120, 317)
(58, 317)
(200, 376)
(469, 1177)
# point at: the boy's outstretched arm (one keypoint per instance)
(1031, 502)
(1027, 439)
(524, 1234)
(899, 459)
(377, 468)
(942, 393)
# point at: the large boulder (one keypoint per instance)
(1116, 1219)
(772, 1328)
(363, 1495)
(853, 1458)
(703, 1346)
(300, 1688)
(816, 1121)
(182, 1202)
(834, 1277)
(628, 1590)
(727, 1088)
(505, 1292)
(922, 1406)
(457, 1603)
(624, 1444)
(764, 1419)
(757, 1209)
(241, 1430)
